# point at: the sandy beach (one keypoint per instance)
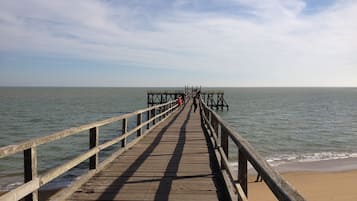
(315, 186)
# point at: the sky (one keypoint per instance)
(153, 43)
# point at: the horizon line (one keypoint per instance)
(44, 86)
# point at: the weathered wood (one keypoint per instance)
(148, 118)
(138, 123)
(30, 170)
(230, 188)
(153, 115)
(243, 172)
(224, 141)
(172, 162)
(124, 130)
(66, 192)
(93, 142)
(241, 194)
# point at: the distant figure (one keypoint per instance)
(179, 101)
(194, 104)
(259, 178)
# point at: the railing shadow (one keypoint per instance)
(128, 173)
(170, 174)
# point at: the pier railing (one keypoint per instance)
(220, 132)
(33, 180)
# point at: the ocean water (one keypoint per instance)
(295, 124)
(283, 124)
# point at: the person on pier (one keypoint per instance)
(179, 101)
(194, 104)
(197, 96)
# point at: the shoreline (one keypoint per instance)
(329, 165)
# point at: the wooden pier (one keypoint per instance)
(172, 162)
(177, 154)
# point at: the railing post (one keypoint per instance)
(123, 131)
(30, 170)
(242, 171)
(148, 118)
(153, 111)
(224, 142)
(93, 142)
(210, 117)
(138, 123)
(214, 124)
(165, 109)
(159, 112)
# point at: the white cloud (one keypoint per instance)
(276, 43)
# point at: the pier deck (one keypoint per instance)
(172, 162)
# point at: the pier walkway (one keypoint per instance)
(172, 162)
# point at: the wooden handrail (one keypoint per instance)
(12, 149)
(219, 129)
(33, 181)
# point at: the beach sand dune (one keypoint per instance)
(314, 186)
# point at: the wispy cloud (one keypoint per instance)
(271, 42)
